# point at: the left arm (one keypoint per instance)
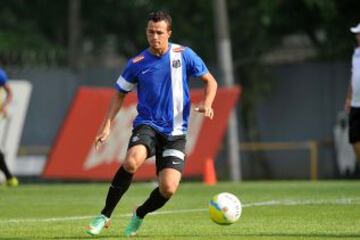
(210, 92)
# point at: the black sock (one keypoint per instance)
(3, 166)
(154, 202)
(119, 186)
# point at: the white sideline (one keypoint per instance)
(284, 202)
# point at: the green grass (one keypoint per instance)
(286, 210)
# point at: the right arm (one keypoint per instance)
(105, 128)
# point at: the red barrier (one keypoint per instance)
(73, 155)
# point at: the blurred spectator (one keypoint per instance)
(10, 179)
(352, 103)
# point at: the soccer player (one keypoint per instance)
(160, 75)
(11, 181)
(352, 103)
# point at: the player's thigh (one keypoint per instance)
(141, 146)
(169, 180)
(135, 157)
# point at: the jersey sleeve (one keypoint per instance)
(195, 65)
(127, 80)
(3, 77)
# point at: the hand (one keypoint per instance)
(102, 136)
(100, 139)
(208, 111)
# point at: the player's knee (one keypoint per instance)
(131, 164)
(168, 189)
(134, 158)
(129, 168)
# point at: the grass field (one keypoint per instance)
(271, 210)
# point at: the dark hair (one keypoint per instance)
(161, 16)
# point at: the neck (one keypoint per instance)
(160, 51)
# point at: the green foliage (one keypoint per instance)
(261, 25)
(32, 31)
(126, 20)
(256, 25)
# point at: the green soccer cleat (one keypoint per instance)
(97, 224)
(12, 182)
(133, 226)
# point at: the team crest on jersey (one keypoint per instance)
(138, 58)
(176, 63)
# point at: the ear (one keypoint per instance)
(169, 32)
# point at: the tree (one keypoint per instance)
(41, 26)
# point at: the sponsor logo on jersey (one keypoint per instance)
(138, 58)
(179, 49)
(145, 71)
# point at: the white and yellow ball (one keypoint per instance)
(225, 208)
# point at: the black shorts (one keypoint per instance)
(169, 151)
(354, 125)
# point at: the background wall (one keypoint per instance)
(302, 105)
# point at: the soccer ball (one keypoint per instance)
(225, 208)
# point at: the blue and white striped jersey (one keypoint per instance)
(162, 87)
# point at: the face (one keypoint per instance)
(158, 35)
